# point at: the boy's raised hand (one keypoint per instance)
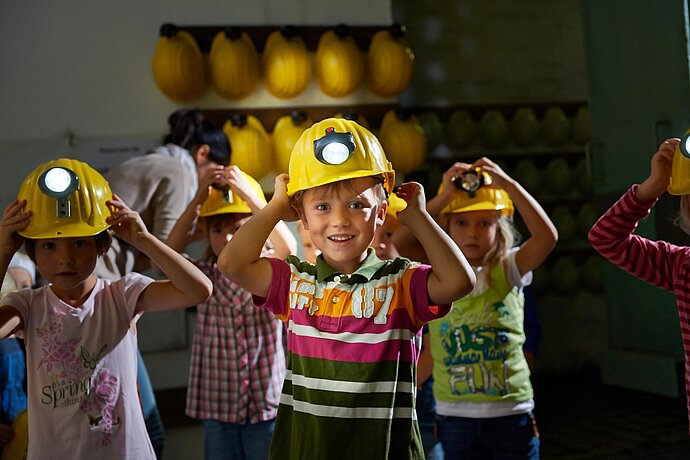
(281, 199)
(413, 194)
(14, 219)
(126, 223)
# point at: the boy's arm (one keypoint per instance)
(186, 285)
(241, 259)
(404, 240)
(451, 276)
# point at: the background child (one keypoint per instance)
(658, 262)
(80, 331)
(354, 321)
(426, 407)
(20, 274)
(238, 360)
(484, 397)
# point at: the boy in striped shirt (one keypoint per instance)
(354, 321)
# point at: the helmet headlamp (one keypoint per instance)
(472, 180)
(59, 183)
(334, 148)
(685, 145)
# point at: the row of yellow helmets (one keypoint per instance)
(256, 152)
(234, 66)
(74, 186)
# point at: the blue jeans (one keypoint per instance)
(511, 437)
(237, 441)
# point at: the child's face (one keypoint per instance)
(342, 220)
(67, 263)
(383, 239)
(220, 231)
(476, 233)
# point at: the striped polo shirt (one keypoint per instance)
(353, 345)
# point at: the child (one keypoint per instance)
(385, 249)
(80, 331)
(657, 262)
(481, 378)
(354, 321)
(238, 360)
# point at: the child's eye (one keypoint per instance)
(357, 205)
(79, 243)
(321, 207)
(48, 245)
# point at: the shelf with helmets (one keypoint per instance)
(235, 60)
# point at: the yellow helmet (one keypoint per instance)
(336, 149)
(484, 199)
(67, 198)
(228, 202)
(395, 204)
(679, 184)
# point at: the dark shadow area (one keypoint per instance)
(580, 418)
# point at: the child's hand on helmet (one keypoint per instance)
(14, 219)
(126, 224)
(240, 185)
(413, 194)
(500, 179)
(456, 171)
(213, 175)
(282, 201)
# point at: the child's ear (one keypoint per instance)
(201, 154)
(381, 213)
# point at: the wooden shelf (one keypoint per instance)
(310, 34)
(373, 113)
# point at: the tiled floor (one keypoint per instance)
(578, 419)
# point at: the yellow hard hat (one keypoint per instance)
(336, 149)
(287, 130)
(67, 198)
(680, 168)
(228, 202)
(484, 199)
(395, 204)
(178, 65)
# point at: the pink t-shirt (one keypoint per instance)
(82, 372)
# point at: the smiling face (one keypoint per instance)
(342, 218)
(68, 264)
(476, 233)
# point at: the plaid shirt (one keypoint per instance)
(238, 362)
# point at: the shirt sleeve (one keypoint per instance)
(612, 236)
(420, 295)
(20, 260)
(131, 286)
(276, 300)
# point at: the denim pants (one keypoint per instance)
(511, 437)
(237, 441)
